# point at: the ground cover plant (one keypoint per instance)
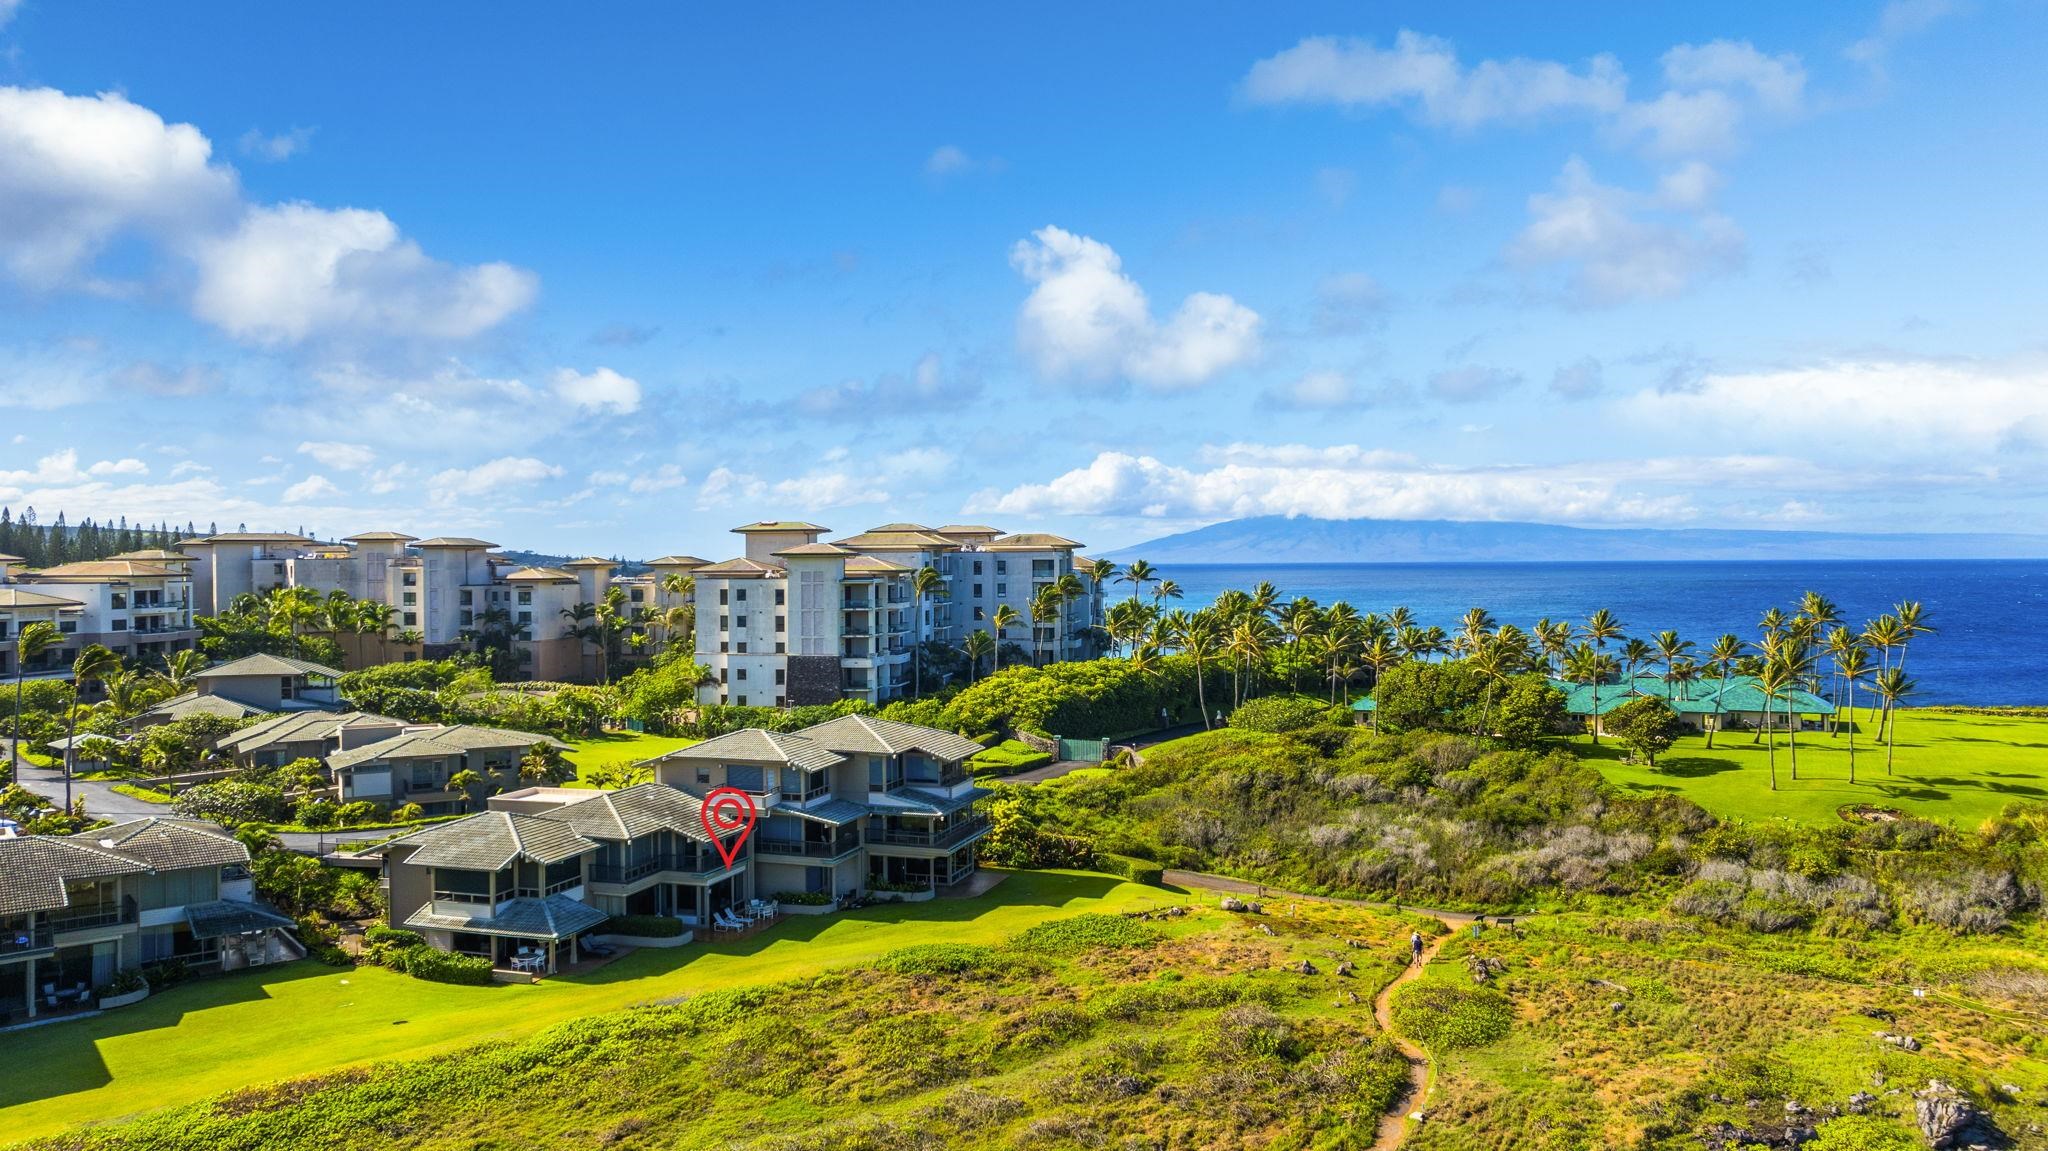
(1200, 1029)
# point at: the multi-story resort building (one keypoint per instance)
(843, 807)
(74, 910)
(796, 620)
(139, 604)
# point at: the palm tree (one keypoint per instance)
(1912, 625)
(1137, 574)
(582, 619)
(1300, 620)
(1722, 655)
(1588, 665)
(466, 781)
(1555, 638)
(1046, 609)
(926, 583)
(1852, 666)
(1670, 650)
(1496, 661)
(1798, 664)
(978, 646)
(1200, 640)
(124, 692)
(30, 643)
(1774, 678)
(94, 664)
(1379, 655)
(181, 668)
(1101, 571)
(1599, 628)
(1891, 685)
(1164, 590)
(1005, 617)
(1472, 630)
(1635, 654)
(1068, 587)
(1887, 634)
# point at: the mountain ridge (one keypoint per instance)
(1283, 539)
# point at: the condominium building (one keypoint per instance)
(796, 620)
(139, 607)
(74, 910)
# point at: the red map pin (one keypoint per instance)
(727, 810)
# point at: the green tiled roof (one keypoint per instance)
(1739, 693)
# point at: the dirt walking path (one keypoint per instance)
(1399, 1119)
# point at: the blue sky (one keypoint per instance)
(618, 281)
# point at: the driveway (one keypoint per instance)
(100, 798)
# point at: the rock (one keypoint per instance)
(1877, 1079)
(1879, 1013)
(1861, 1103)
(1346, 967)
(1617, 1007)
(1902, 1042)
(1794, 1107)
(1948, 1119)
(2009, 1090)
(1778, 1136)
(1266, 929)
(1256, 908)
(1233, 903)
(1353, 943)
(1307, 968)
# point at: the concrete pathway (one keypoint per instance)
(100, 797)
(1041, 774)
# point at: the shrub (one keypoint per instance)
(426, 963)
(943, 959)
(1645, 726)
(360, 812)
(644, 926)
(1278, 713)
(379, 933)
(408, 813)
(1445, 1017)
(1136, 870)
(231, 803)
(804, 898)
(1085, 933)
(317, 813)
(126, 980)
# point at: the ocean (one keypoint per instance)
(1991, 616)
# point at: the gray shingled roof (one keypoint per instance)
(633, 812)
(491, 840)
(556, 917)
(300, 727)
(838, 812)
(262, 664)
(754, 745)
(192, 703)
(170, 844)
(911, 801)
(33, 869)
(888, 737)
(431, 742)
(231, 917)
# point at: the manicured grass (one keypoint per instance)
(144, 794)
(625, 747)
(1008, 757)
(214, 1035)
(1079, 773)
(1958, 769)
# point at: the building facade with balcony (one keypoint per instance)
(140, 609)
(75, 910)
(420, 764)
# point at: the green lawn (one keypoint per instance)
(1955, 768)
(624, 747)
(214, 1035)
(136, 791)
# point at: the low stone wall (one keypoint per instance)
(109, 1002)
(903, 896)
(646, 940)
(1050, 747)
(788, 908)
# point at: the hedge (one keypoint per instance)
(644, 926)
(424, 962)
(1136, 870)
(804, 898)
(395, 936)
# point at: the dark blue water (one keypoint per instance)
(1991, 616)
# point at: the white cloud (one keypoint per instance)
(1777, 82)
(661, 479)
(1331, 483)
(489, 478)
(7, 10)
(385, 480)
(78, 173)
(839, 481)
(311, 488)
(1612, 246)
(953, 160)
(294, 270)
(1899, 20)
(1472, 383)
(892, 395)
(1335, 391)
(1935, 410)
(1424, 72)
(1349, 302)
(275, 148)
(1086, 320)
(61, 467)
(334, 454)
(603, 390)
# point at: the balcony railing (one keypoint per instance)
(93, 915)
(944, 837)
(704, 864)
(15, 940)
(810, 848)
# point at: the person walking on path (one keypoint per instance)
(1414, 948)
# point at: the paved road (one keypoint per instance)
(100, 798)
(1140, 743)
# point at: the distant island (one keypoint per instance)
(1281, 539)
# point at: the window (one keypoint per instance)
(1002, 567)
(67, 626)
(780, 648)
(743, 675)
(977, 615)
(704, 775)
(120, 599)
(779, 702)
(284, 687)
(723, 673)
(742, 647)
(412, 619)
(637, 596)
(1002, 589)
(724, 647)
(725, 623)
(977, 570)
(741, 595)
(743, 701)
(120, 625)
(410, 579)
(741, 621)
(779, 594)
(781, 622)
(410, 599)
(423, 775)
(977, 591)
(525, 595)
(464, 596)
(779, 674)
(525, 617)
(722, 593)
(468, 616)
